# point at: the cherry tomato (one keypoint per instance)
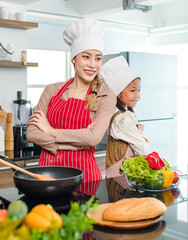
(3, 214)
(176, 177)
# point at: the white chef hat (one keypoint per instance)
(84, 34)
(117, 74)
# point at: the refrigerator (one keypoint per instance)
(157, 107)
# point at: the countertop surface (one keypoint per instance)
(174, 223)
(22, 154)
(34, 153)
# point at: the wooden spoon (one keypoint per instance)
(38, 176)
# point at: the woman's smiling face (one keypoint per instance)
(131, 94)
(87, 64)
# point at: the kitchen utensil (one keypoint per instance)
(60, 205)
(67, 180)
(4, 11)
(38, 176)
(9, 137)
(151, 233)
(22, 112)
(6, 52)
(97, 216)
(20, 16)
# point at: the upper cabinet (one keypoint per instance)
(6, 23)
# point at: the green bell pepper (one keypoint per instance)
(156, 180)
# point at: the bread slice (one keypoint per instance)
(134, 209)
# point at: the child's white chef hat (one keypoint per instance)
(84, 34)
(117, 74)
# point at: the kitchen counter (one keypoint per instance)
(34, 153)
(25, 154)
(174, 223)
(30, 157)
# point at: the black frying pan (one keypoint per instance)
(68, 180)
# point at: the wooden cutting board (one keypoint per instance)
(97, 216)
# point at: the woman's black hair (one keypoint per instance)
(120, 106)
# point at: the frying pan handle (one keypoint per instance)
(10, 161)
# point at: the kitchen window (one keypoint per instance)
(53, 66)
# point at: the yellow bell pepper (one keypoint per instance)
(43, 217)
(168, 176)
(168, 198)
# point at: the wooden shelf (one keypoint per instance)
(17, 64)
(5, 23)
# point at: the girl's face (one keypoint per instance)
(131, 94)
(87, 64)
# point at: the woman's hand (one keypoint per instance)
(39, 119)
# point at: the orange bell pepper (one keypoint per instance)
(43, 217)
(168, 176)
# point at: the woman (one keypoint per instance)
(72, 117)
(125, 133)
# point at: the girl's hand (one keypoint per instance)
(92, 125)
(39, 119)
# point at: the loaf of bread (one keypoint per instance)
(134, 209)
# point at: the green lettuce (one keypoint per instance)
(136, 168)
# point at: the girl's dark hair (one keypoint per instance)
(119, 105)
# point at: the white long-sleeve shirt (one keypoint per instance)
(124, 127)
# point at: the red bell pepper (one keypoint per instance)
(155, 162)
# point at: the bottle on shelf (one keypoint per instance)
(9, 137)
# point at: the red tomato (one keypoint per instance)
(3, 214)
(176, 177)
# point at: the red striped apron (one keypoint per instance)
(71, 114)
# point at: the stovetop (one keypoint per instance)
(61, 205)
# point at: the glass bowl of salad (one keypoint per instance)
(155, 183)
(141, 176)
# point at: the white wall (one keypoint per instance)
(12, 79)
(119, 37)
(56, 6)
(49, 36)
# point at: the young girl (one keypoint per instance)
(125, 137)
(72, 117)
